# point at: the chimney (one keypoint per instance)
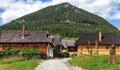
(100, 36)
(23, 32)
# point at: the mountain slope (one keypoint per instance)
(63, 19)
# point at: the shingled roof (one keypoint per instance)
(64, 43)
(68, 43)
(57, 40)
(107, 38)
(30, 37)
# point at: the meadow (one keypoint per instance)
(18, 63)
(95, 63)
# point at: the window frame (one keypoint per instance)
(4, 47)
(36, 47)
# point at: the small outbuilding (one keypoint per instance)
(69, 46)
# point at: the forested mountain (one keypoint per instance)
(63, 19)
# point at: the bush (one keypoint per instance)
(31, 53)
(14, 52)
(1, 54)
(27, 53)
(9, 52)
(43, 56)
(56, 53)
(5, 52)
(65, 54)
(73, 55)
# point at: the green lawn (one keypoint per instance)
(16, 63)
(95, 63)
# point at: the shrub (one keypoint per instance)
(6, 52)
(73, 55)
(0, 53)
(14, 52)
(56, 53)
(65, 54)
(9, 52)
(43, 56)
(27, 53)
(31, 53)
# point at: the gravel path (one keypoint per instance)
(56, 64)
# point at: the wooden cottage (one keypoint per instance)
(57, 42)
(69, 46)
(26, 39)
(97, 43)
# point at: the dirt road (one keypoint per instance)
(56, 64)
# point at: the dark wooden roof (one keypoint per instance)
(107, 38)
(64, 43)
(30, 37)
(57, 40)
(68, 43)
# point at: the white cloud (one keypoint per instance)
(15, 9)
(102, 8)
(18, 9)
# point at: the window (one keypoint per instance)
(14, 47)
(71, 49)
(88, 47)
(35, 47)
(107, 47)
(5, 47)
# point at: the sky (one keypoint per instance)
(13, 9)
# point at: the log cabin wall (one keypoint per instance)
(102, 50)
(118, 49)
(40, 46)
(1, 48)
(100, 41)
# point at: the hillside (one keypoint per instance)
(63, 19)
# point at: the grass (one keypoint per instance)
(16, 63)
(95, 63)
(11, 60)
(68, 38)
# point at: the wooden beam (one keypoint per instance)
(96, 45)
(89, 48)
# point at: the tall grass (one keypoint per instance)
(95, 63)
(24, 65)
(11, 60)
(17, 63)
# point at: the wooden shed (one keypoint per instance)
(69, 46)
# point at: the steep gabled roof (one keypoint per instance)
(30, 37)
(68, 43)
(107, 38)
(57, 40)
(83, 39)
(64, 43)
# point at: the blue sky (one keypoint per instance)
(115, 22)
(13, 9)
